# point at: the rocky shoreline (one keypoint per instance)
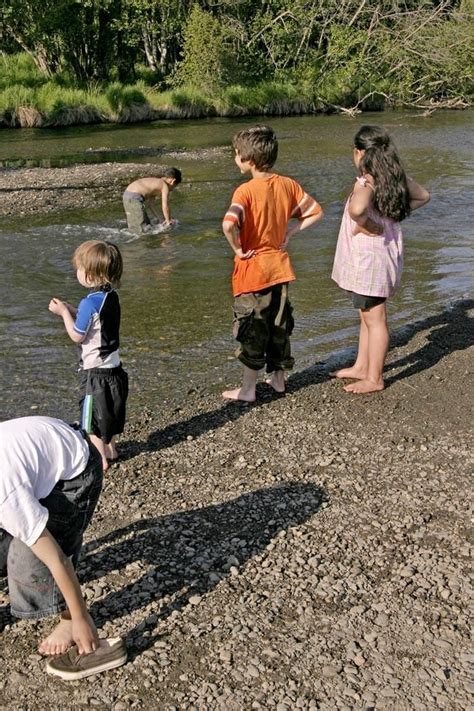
(307, 552)
(29, 191)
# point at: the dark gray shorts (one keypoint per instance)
(364, 303)
(31, 587)
(138, 220)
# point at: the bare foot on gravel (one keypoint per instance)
(111, 452)
(277, 381)
(238, 394)
(365, 386)
(59, 640)
(349, 373)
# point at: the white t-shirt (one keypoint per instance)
(35, 453)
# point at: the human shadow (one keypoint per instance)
(197, 425)
(6, 617)
(188, 553)
(455, 333)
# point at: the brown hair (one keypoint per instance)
(381, 161)
(258, 144)
(173, 173)
(101, 261)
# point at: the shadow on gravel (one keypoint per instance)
(195, 426)
(455, 333)
(187, 553)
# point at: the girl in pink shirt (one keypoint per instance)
(369, 253)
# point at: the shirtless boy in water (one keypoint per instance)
(139, 200)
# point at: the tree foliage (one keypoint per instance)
(346, 52)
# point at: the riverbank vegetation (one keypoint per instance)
(73, 62)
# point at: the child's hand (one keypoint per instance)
(245, 255)
(84, 634)
(72, 309)
(371, 230)
(56, 306)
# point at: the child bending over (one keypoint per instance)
(140, 197)
(50, 484)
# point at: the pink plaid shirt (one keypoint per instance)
(370, 266)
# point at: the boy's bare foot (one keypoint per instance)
(59, 640)
(238, 394)
(111, 452)
(365, 386)
(277, 381)
(352, 372)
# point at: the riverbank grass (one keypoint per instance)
(30, 99)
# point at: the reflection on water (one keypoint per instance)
(176, 301)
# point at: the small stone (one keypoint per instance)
(387, 693)
(442, 674)
(252, 670)
(381, 620)
(329, 670)
(195, 599)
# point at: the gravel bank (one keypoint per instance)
(28, 191)
(307, 552)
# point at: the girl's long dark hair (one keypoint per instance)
(380, 160)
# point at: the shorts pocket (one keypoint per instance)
(244, 314)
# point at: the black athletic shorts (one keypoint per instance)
(364, 303)
(109, 389)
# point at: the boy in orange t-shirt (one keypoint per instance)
(257, 228)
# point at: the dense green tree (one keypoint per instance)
(342, 51)
(206, 61)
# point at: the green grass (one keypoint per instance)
(30, 98)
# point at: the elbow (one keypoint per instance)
(356, 214)
(228, 228)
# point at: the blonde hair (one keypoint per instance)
(101, 261)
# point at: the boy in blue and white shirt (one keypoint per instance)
(95, 324)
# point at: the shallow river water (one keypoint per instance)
(176, 299)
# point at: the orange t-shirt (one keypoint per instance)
(261, 209)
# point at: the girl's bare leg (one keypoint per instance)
(360, 368)
(375, 320)
(100, 445)
(246, 392)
